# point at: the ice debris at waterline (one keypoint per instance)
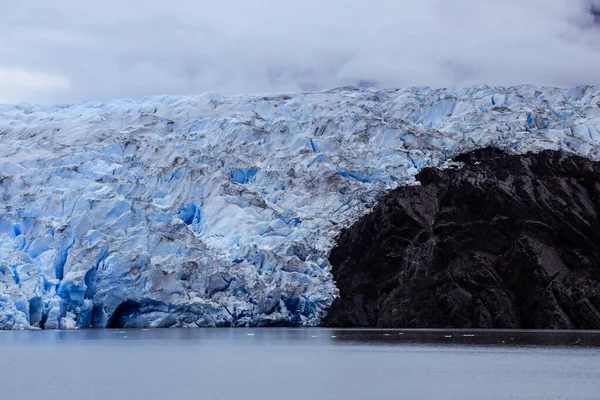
(221, 210)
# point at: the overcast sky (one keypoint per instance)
(61, 50)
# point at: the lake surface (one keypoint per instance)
(307, 364)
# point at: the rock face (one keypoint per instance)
(503, 241)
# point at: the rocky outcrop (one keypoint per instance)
(503, 241)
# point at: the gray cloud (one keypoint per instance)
(58, 50)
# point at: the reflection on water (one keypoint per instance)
(318, 336)
(299, 364)
(473, 337)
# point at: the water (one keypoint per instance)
(307, 364)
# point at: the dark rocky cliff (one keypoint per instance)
(506, 241)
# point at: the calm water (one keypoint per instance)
(307, 364)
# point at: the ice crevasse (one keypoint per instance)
(217, 210)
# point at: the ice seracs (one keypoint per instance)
(221, 210)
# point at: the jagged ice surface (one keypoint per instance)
(221, 210)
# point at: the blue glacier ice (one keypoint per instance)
(219, 210)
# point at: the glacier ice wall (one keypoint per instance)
(221, 210)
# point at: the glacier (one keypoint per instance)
(218, 210)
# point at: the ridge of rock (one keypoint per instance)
(503, 241)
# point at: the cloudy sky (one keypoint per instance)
(61, 50)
